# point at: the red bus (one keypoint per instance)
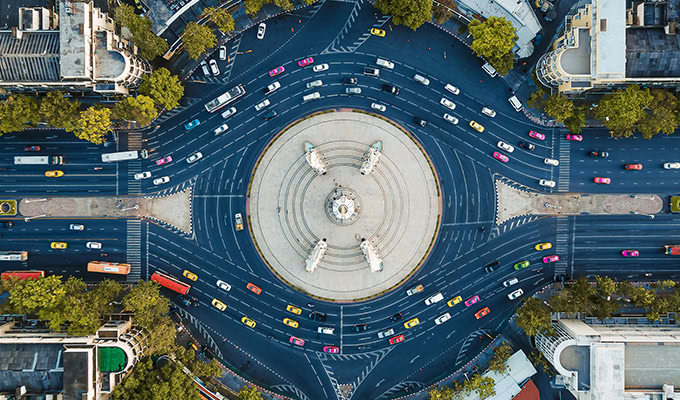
(28, 274)
(108, 267)
(170, 282)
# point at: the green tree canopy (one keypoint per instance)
(220, 17)
(559, 107)
(197, 39)
(165, 89)
(205, 371)
(500, 357)
(93, 124)
(141, 109)
(147, 303)
(577, 121)
(249, 393)
(150, 46)
(441, 393)
(147, 382)
(441, 13)
(494, 39)
(18, 112)
(59, 111)
(534, 317)
(484, 386)
(412, 13)
(622, 110)
(662, 115)
(253, 6)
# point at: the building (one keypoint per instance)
(515, 383)
(615, 361)
(613, 43)
(75, 50)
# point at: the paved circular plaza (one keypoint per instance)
(314, 196)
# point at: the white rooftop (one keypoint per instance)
(610, 39)
(507, 385)
(606, 376)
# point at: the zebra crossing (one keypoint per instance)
(335, 47)
(134, 249)
(370, 360)
(561, 245)
(298, 394)
(565, 154)
(134, 185)
(212, 345)
(367, 35)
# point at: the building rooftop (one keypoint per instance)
(652, 53)
(39, 367)
(577, 358)
(576, 60)
(73, 24)
(608, 370)
(9, 18)
(108, 64)
(651, 366)
(76, 376)
(610, 20)
(34, 58)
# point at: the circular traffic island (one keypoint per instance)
(344, 205)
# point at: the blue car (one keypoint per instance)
(192, 124)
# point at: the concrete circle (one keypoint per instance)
(343, 206)
(400, 205)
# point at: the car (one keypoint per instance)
(504, 146)
(276, 71)
(634, 167)
(214, 68)
(331, 349)
(231, 111)
(549, 259)
(500, 157)
(671, 165)
(306, 61)
(390, 89)
(370, 71)
(317, 316)
(477, 126)
(221, 129)
(223, 285)
(420, 121)
(164, 160)
(353, 90)
(320, 67)
(249, 322)
(261, 29)
(6, 224)
(378, 107)
(450, 118)
(253, 288)
(442, 318)
(472, 300)
(194, 157)
(219, 305)
(454, 301)
(510, 282)
(421, 79)
(314, 84)
(397, 339)
(238, 221)
(223, 53)
(521, 265)
(76, 227)
(204, 66)
(414, 290)
(271, 114)
(360, 327)
(489, 112)
(543, 246)
(479, 314)
(142, 175)
(551, 161)
(290, 322)
(515, 294)
(397, 317)
(546, 183)
(447, 103)
(576, 138)
(630, 253)
(272, 87)
(32, 148)
(59, 245)
(411, 323)
(349, 81)
(161, 180)
(598, 154)
(604, 181)
(435, 298)
(190, 275)
(93, 245)
(54, 174)
(384, 334)
(293, 309)
(192, 124)
(452, 89)
(490, 267)
(262, 104)
(526, 145)
(536, 135)
(377, 32)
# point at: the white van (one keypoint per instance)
(326, 329)
(384, 63)
(452, 88)
(421, 79)
(489, 70)
(516, 104)
(311, 96)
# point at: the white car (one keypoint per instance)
(435, 298)
(451, 118)
(272, 87)
(223, 52)
(262, 105)
(229, 112)
(386, 333)
(510, 282)
(314, 84)
(378, 107)
(487, 111)
(221, 129)
(353, 90)
(504, 146)
(204, 66)
(551, 161)
(421, 79)
(161, 180)
(447, 103)
(194, 157)
(224, 285)
(213, 67)
(77, 227)
(261, 29)
(143, 175)
(442, 318)
(546, 183)
(320, 67)
(452, 89)
(515, 294)
(93, 245)
(671, 165)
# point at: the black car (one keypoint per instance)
(317, 316)
(527, 145)
(490, 267)
(360, 327)
(6, 224)
(397, 317)
(270, 115)
(420, 121)
(390, 89)
(349, 81)
(599, 153)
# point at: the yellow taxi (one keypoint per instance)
(219, 305)
(411, 323)
(248, 322)
(454, 301)
(543, 246)
(377, 32)
(190, 275)
(58, 245)
(54, 174)
(290, 322)
(293, 309)
(477, 126)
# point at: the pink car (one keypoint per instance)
(331, 349)
(576, 138)
(604, 181)
(297, 341)
(549, 259)
(500, 157)
(164, 160)
(276, 71)
(472, 300)
(306, 61)
(536, 135)
(630, 253)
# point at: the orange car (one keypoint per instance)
(482, 312)
(254, 288)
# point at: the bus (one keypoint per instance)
(170, 282)
(108, 267)
(226, 98)
(13, 255)
(28, 274)
(124, 155)
(38, 160)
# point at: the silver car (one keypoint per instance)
(143, 175)
(504, 146)
(314, 84)
(161, 180)
(515, 294)
(213, 67)
(447, 103)
(221, 129)
(450, 118)
(262, 105)
(353, 90)
(378, 107)
(194, 157)
(261, 29)
(386, 333)
(551, 161)
(223, 285)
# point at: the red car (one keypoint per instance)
(276, 71)
(472, 300)
(536, 135)
(32, 148)
(254, 288)
(331, 349)
(297, 341)
(500, 157)
(604, 181)
(306, 61)
(164, 160)
(630, 253)
(636, 167)
(397, 339)
(549, 259)
(479, 314)
(576, 138)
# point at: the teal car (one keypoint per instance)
(192, 124)
(521, 264)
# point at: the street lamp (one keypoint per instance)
(36, 216)
(639, 213)
(136, 206)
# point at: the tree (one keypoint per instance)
(150, 46)
(30, 295)
(662, 115)
(197, 39)
(538, 359)
(494, 39)
(18, 112)
(500, 357)
(577, 121)
(93, 124)
(147, 303)
(220, 17)
(59, 111)
(161, 336)
(205, 371)
(309, 2)
(249, 393)
(577, 297)
(165, 89)
(253, 6)
(559, 107)
(622, 110)
(537, 100)
(412, 13)
(140, 109)
(441, 393)
(534, 317)
(484, 386)
(285, 4)
(441, 13)
(146, 382)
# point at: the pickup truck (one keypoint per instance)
(673, 249)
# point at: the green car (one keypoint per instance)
(521, 264)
